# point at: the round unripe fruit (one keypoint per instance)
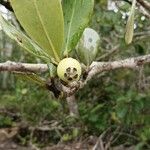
(69, 70)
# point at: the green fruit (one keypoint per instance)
(69, 70)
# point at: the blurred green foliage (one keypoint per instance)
(118, 98)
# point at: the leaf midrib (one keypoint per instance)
(44, 29)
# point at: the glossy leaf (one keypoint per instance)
(130, 24)
(22, 39)
(76, 15)
(43, 21)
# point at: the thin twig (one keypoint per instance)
(111, 138)
(115, 49)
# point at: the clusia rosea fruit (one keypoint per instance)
(69, 70)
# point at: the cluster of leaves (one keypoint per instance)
(59, 24)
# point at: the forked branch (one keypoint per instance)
(95, 68)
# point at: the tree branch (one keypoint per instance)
(72, 104)
(22, 67)
(98, 67)
(95, 68)
(145, 4)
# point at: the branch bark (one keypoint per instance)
(72, 104)
(95, 68)
(145, 4)
(132, 63)
(22, 67)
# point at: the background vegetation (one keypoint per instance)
(113, 104)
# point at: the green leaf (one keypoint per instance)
(130, 24)
(43, 21)
(32, 77)
(121, 111)
(76, 15)
(22, 39)
(52, 70)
